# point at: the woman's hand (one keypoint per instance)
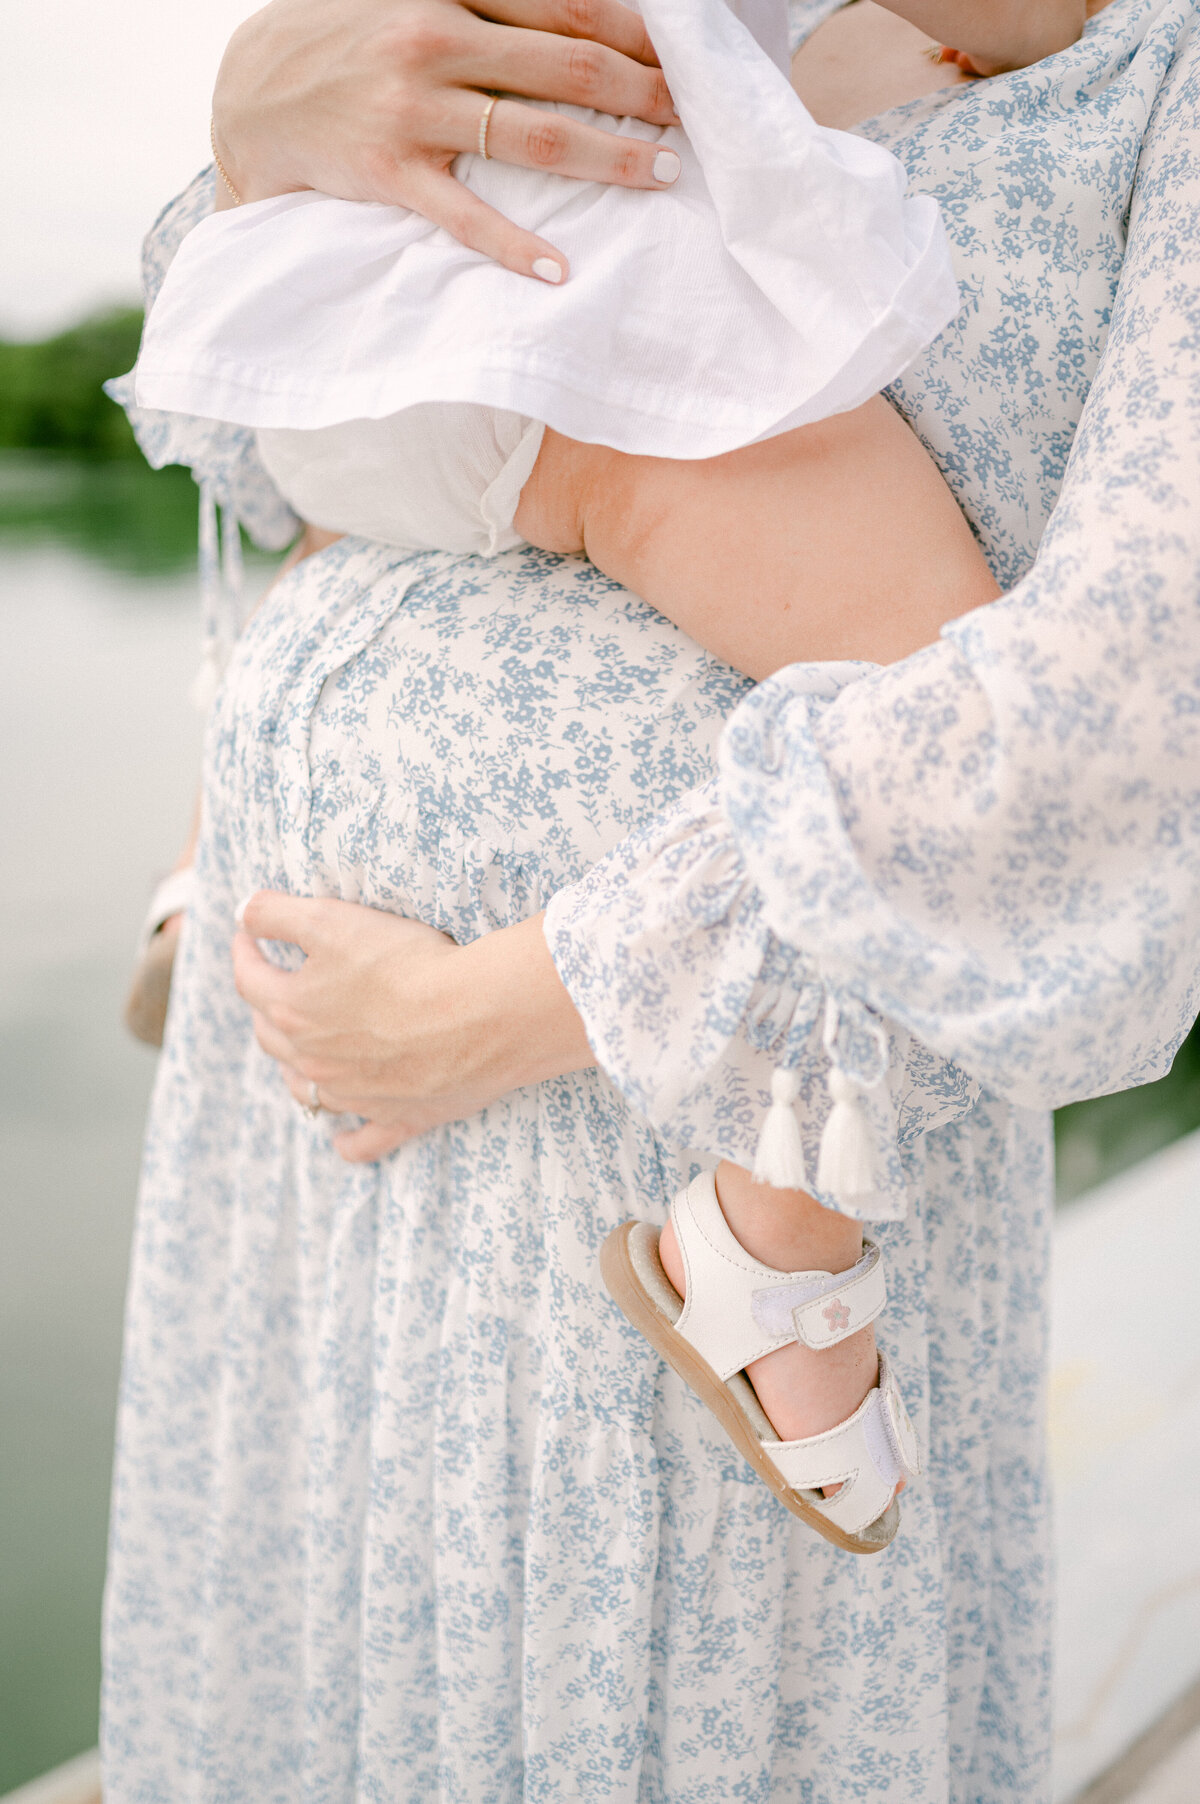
(394, 1022)
(373, 100)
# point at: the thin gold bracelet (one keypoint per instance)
(221, 169)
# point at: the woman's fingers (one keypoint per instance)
(330, 1101)
(364, 1145)
(575, 70)
(258, 982)
(275, 1043)
(439, 197)
(604, 21)
(296, 920)
(536, 139)
(360, 1145)
(373, 99)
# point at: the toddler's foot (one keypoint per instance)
(781, 1353)
(802, 1391)
(145, 1011)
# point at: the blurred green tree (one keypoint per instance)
(51, 394)
(70, 468)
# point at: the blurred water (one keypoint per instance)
(99, 759)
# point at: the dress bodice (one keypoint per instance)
(456, 741)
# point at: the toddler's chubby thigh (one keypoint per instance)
(460, 737)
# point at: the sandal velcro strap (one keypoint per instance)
(868, 1455)
(819, 1312)
(738, 1310)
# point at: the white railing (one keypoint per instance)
(1125, 1455)
(78, 1782)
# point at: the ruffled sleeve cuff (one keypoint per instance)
(223, 459)
(695, 1009)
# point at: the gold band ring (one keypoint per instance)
(485, 119)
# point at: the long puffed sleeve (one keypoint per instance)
(994, 847)
(696, 1008)
(235, 490)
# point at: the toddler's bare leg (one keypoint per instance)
(838, 540)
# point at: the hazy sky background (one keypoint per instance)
(104, 108)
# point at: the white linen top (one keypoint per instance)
(784, 277)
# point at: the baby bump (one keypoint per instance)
(453, 738)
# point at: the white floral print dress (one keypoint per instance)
(403, 1510)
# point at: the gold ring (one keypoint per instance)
(485, 120)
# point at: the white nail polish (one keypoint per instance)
(547, 270)
(239, 913)
(666, 166)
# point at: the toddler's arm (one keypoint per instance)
(838, 540)
(997, 34)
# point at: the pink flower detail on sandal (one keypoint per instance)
(837, 1315)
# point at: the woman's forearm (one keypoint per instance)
(512, 1021)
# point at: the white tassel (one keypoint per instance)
(779, 1160)
(233, 574)
(207, 679)
(846, 1166)
(220, 595)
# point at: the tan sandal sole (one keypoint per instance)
(637, 1283)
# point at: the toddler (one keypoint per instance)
(698, 411)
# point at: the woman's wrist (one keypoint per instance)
(394, 1022)
(513, 1022)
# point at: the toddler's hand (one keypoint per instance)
(999, 38)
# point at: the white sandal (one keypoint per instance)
(737, 1310)
(145, 1011)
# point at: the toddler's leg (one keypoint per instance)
(838, 540)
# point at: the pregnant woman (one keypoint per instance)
(403, 1510)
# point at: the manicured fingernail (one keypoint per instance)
(239, 913)
(547, 270)
(666, 166)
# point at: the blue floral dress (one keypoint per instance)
(403, 1510)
